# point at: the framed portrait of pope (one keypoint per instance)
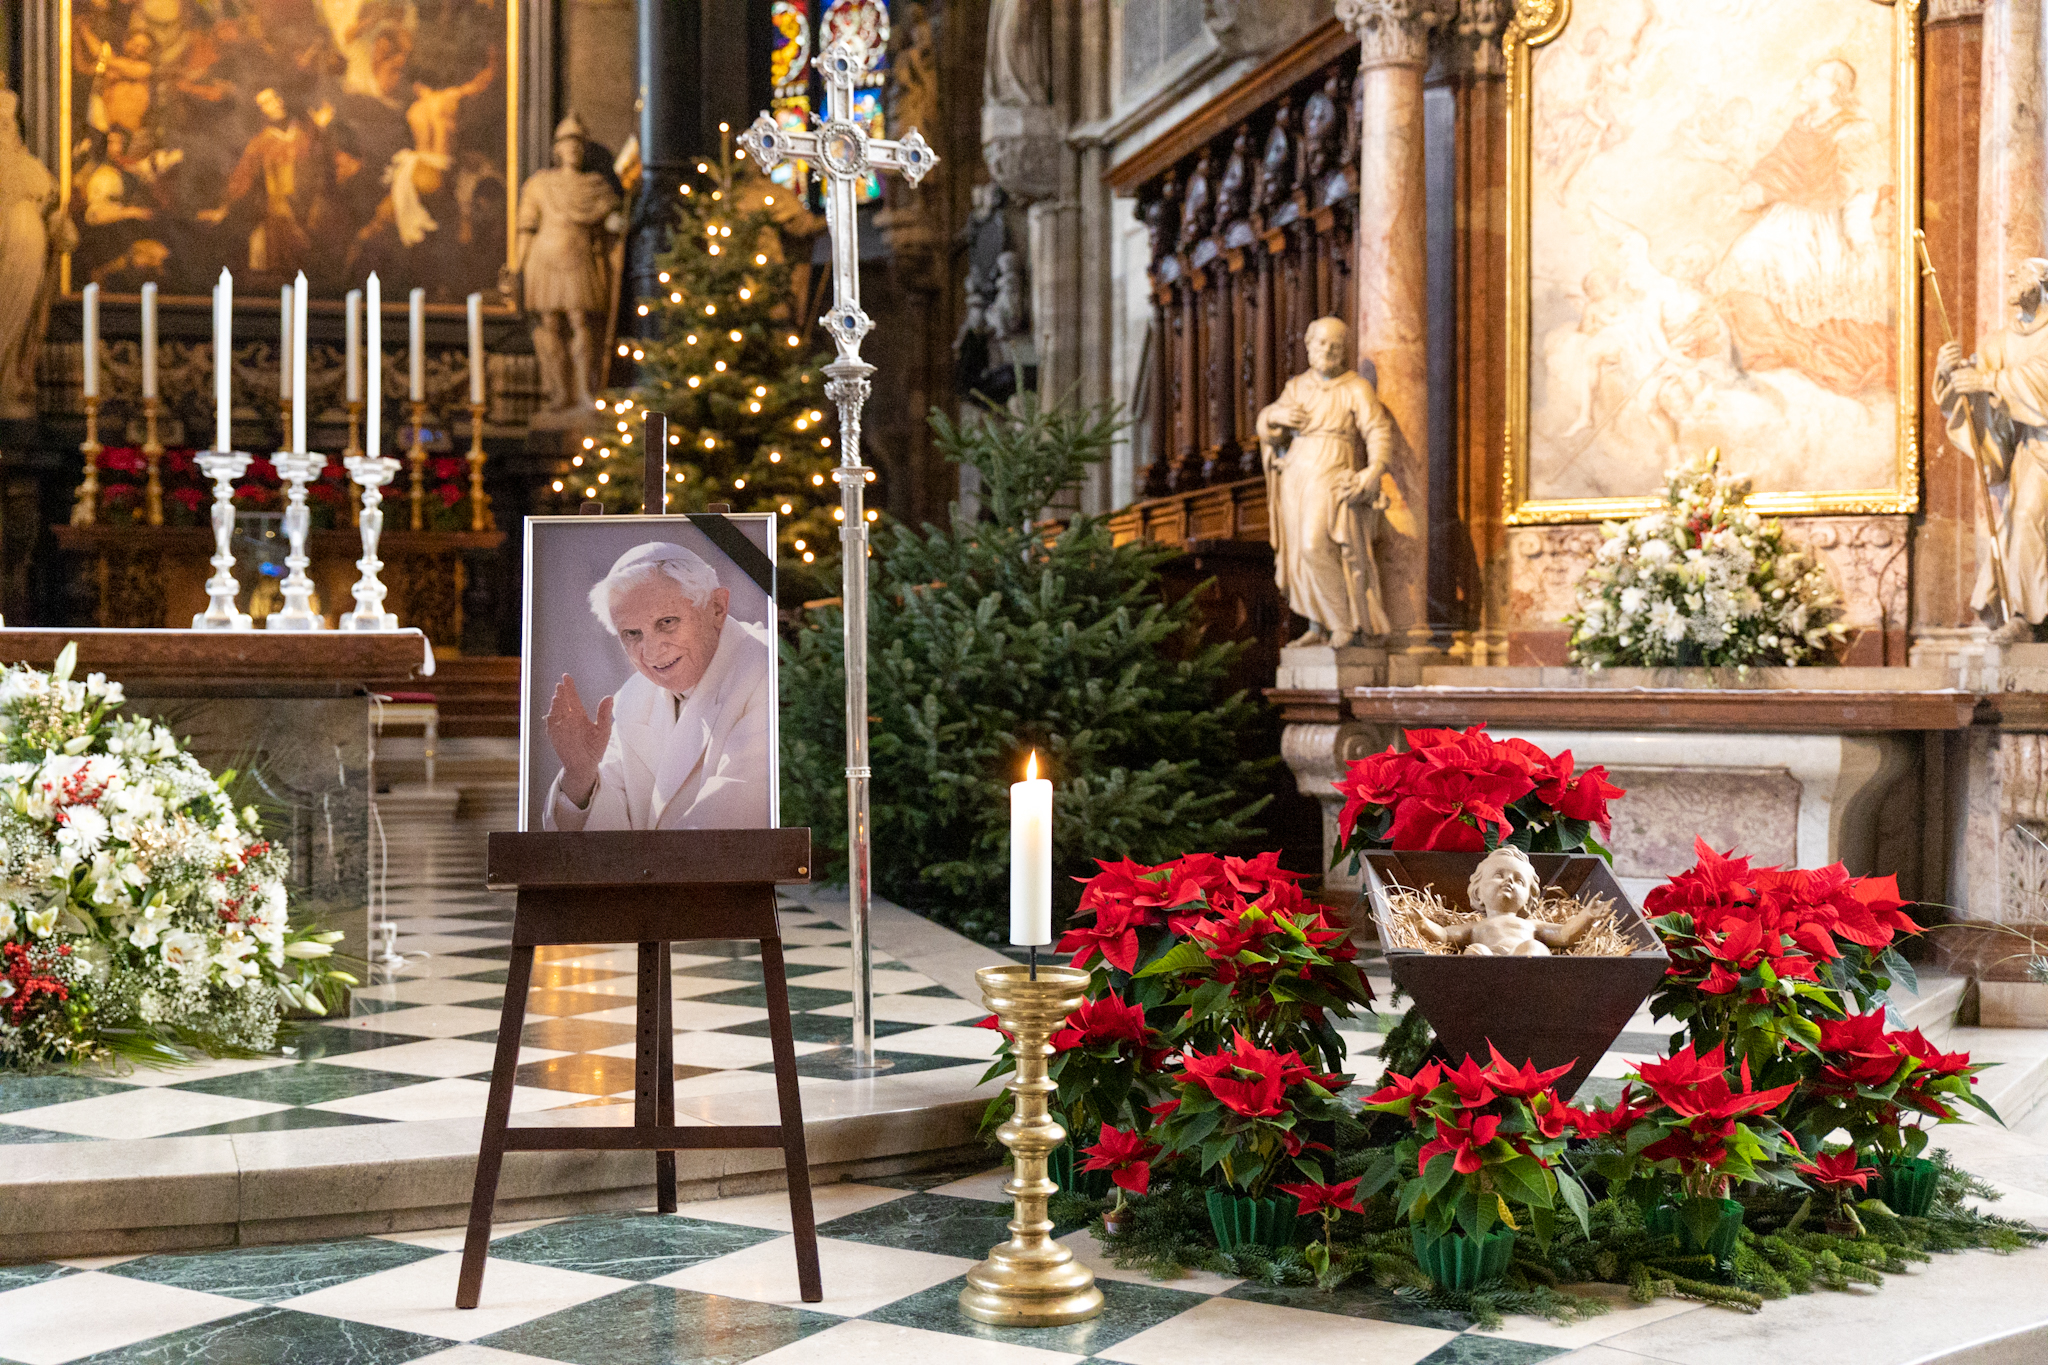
(648, 676)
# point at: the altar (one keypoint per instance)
(290, 712)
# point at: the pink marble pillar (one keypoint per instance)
(2012, 188)
(1393, 271)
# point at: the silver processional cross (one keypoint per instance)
(842, 149)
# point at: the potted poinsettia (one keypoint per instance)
(1126, 1158)
(1237, 1116)
(1486, 1143)
(1834, 1175)
(1703, 1129)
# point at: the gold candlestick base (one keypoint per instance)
(151, 513)
(1031, 1280)
(416, 458)
(350, 452)
(85, 503)
(480, 515)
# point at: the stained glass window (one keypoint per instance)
(799, 96)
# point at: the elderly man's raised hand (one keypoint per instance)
(578, 738)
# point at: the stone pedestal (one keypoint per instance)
(1319, 667)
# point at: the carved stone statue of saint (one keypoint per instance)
(1325, 443)
(566, 217)
(33, 233)
(1996, 405)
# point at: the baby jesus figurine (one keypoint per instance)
(1503, 886)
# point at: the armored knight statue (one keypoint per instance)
(567, 214)
(1324, 444)
(2004, 388)
(1502, 887)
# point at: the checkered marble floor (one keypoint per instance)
(420, 1043)
(715, 1283)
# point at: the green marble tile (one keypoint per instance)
(272, 1274)
(650, 1324)
(935, 1176)
(800, 997)
(33, 1092)
(819, 1028)
(482, 952)
(496, 976)
(1353, 1301)
(276, 1336)
(18, 1134)
(15, 1276)
(364, 1005)
(634, 1246)
(284, 1120)
(1470, 1350)
(744, 969)
(838, 1065)
(926, 1222)
(938, 992)
(312, 1044)
(1127, 1309)
(306, 1083)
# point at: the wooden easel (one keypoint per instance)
(653, 888)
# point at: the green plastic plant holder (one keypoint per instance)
(1907, 1187)
(1066, 1172)
(1455, 1261)
(1239, 1220)
(1721, 1245)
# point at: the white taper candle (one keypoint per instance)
(353, 333)
(476, 350)
(373, 426)
(284, 342)
(92, 341)
(418, 329)
(299, 364)
(149, 338)
(1031, 858)
(223, 359)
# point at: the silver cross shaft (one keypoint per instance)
(842, 150)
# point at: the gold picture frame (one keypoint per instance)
(73, 99)
(1537, 23)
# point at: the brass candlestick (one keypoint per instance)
(480, 518)
(85, 507)
(152, 509)
(349, 452)
(416, 456)
(1031, 1280)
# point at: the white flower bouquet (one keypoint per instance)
(1703, 581)
(138, 909)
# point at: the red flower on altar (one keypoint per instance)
(122, 459)
(1838, 1171)
(1108, 1020)
(1247, 1079)
(1312, 1197)
(445, 467)
(450, 494)
(261, 470)
(1126, 1156)
(190, 498)
(178, 462)
(1464, 1142)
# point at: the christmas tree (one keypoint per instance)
(727, 362)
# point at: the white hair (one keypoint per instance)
(643, 564)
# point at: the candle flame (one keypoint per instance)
(1031, 767)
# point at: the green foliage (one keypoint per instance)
(729, 365)
(993, 639)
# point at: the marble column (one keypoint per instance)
(1393, 272)
(2012, 189)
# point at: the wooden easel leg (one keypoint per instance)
(795, 1160)
(491, 1155)
(651, 990)
(665, 1088)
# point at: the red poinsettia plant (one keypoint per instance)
(1487, 1142)
(1468, 792)
(1836, 1177)
(1237, 1114)
(1881, 1086)
(1127, 1157)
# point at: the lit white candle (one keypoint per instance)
(92, 341)
(149, 339)
(223, 359)
(284, 343)
(354, 341)
(418, 320)
(299, 364)
(476, 350)
(373, 428)
(1031, 858)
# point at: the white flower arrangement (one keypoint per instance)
(1703, 581)
(138, 908)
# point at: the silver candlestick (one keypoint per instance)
(372, 475)
(297, 470)
(223, 467)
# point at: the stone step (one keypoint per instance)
(1931, 1009)
(2018, 1084)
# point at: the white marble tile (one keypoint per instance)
(421, 1297)
(144, 1112)
(771, 1209)
(1089, 1252)
(945, 1040)
(988, 1185)
(74, 1316)
(1624, 1314)
(826, 956)
(730, 1051)
(440, 945)
(689, 1016)
(432, 964)
(450, 1239)
(857, 1278)
(887, 982)
(435, 1057)
(1267, 1334)
(97, 1262)
(915, 1009)
(429, 1021)
(1605, 1355)
(880, 1343)
(811, 936)
(449, 1098)
(430, 990)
